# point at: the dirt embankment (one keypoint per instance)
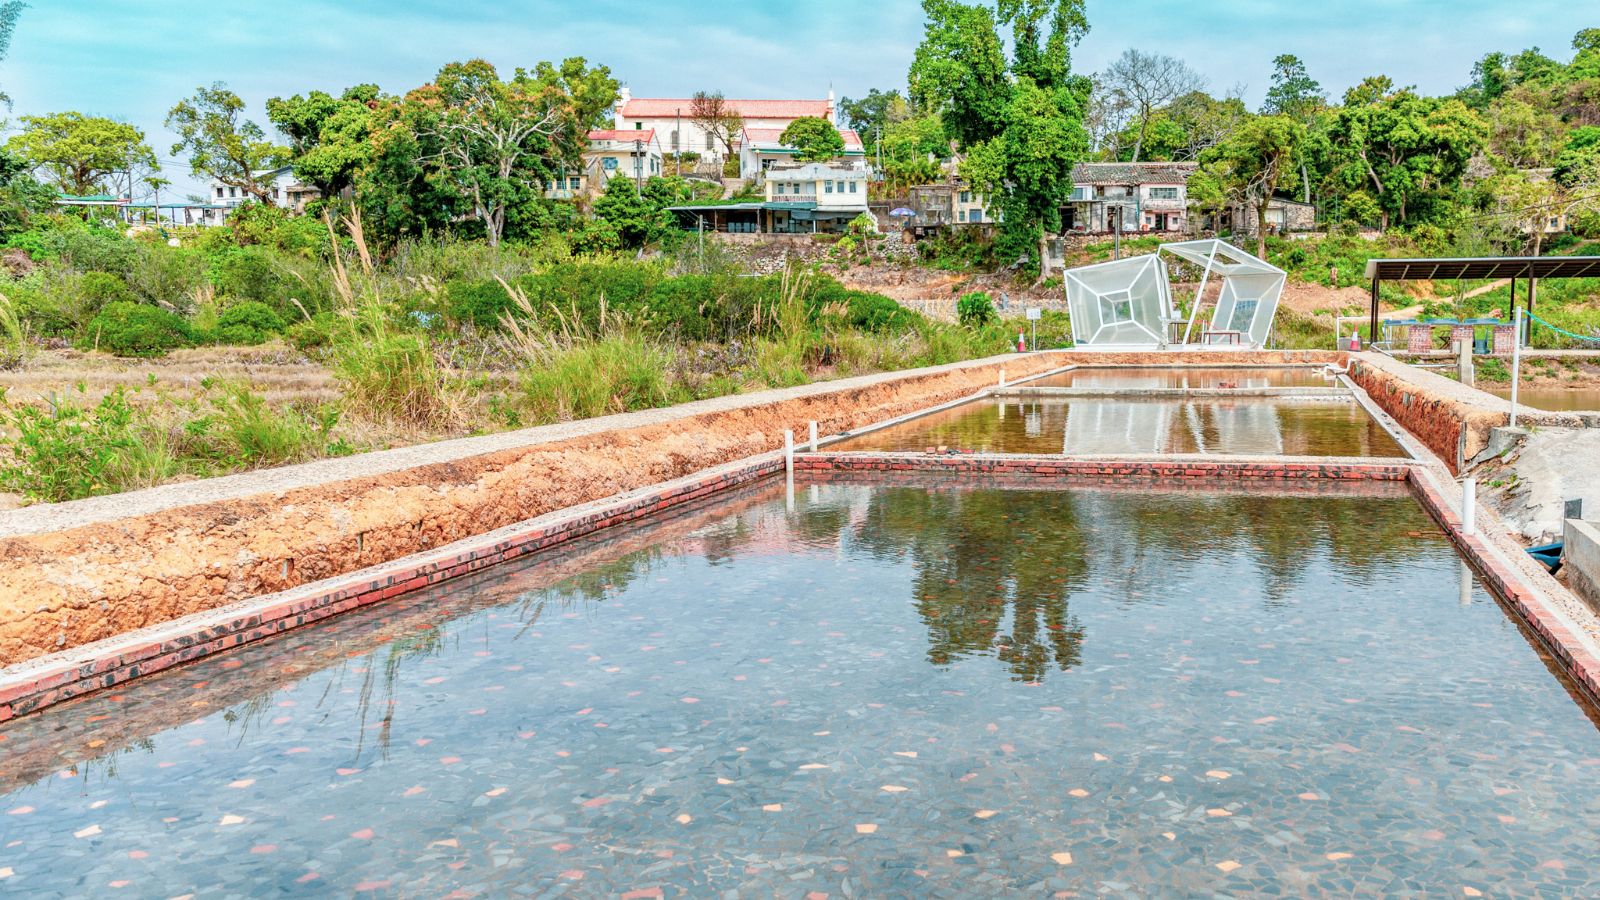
(77, 573)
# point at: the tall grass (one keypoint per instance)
(388, 373)
(13, 335)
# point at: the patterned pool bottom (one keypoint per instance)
(938, 689)
(1253, 426)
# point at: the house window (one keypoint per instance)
(961, 215)
(572, 183)
(638, 126)
(1555, 223)
(852, 187)
(609, 163)
(966, 196)
(777, 187)
(975, 216)
(1163, 193)
(710, 144)
(829, 188)
(220, 193)
(674, 140)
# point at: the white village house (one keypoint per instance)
(287, 192)
(672, 119)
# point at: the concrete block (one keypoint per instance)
(1580, 559)
(1501, 440)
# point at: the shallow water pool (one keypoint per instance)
(928, 687)
(1249, 426)
(1134, 378)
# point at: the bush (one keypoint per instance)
(389, 374)
(680, 304)
(975, 310)
(167, 275)
(243, 430)
(66, 449)
(101, 288)
(879, 314)
(247, 324)
(249, 273)
(310, 334)
(479, 303)
(133, 329)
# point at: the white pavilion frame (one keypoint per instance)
(1127, 304)
(1251, 290)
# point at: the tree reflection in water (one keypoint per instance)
(988, 561)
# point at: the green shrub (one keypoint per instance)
(389, 374)
(975, 310)
(133, 329)
(479, 303)
(167, 275)
(618, 372)
(101, 288)
(243, 430)
(879, 314)
(680, 305)
(66, 449)
(317, 331)
(250, 273)
(248, 324)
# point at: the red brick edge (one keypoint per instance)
(53, 680)
(1512, 587)
(1103, 469)
(48, 682)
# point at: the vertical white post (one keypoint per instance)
(1516, 365)
(1002, 376)
(813, 437)
(1469, 506)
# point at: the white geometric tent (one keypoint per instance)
(1127, 304)
(1251, 289)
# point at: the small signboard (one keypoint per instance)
(1035, 313)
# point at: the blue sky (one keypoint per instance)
(133, 59)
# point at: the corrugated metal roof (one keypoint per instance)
(1484, 267)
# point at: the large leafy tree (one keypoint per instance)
(1186, 127)
(330, 137)
(1255, 162)
(79, 153)
(872, 115)
(815, 139)
(495, 141)
(1401, 147)
(1020, 121)
(222, 144)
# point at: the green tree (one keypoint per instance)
(79, 152)
(1405, 148)
(222, 145)
(494, 142)
(1020, 122)
(640, 215)
(815, 139)
(330, 137)
(10, 13)
(1294, 93)
(1522, 134)
(23, 198)
(1255, 162)
(871, 116)
(1143, 83)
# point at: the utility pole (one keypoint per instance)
(638, 168)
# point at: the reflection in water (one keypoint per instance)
(1255, 426)
(701, 704)
(1132, 378)
(1552, 399)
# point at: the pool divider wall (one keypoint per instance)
(49, 680)
(1454, 421)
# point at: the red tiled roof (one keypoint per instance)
(644, 107)
(647, 135)
(852, 141)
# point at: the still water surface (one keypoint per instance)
(915, 688)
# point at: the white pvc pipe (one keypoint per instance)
(1469, 506)
(1516, 365)
(813, 437)
(788, 451)
(1002, 376)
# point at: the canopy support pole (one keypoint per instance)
(1373, 322)
(1200, 294)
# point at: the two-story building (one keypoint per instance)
(948, 202)
(286, 191)
(612, 153)
(806, 199)
(673, 119)
(760, 149)
(1148, 197)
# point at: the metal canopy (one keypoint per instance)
(1488, 267)
(1529, 268)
